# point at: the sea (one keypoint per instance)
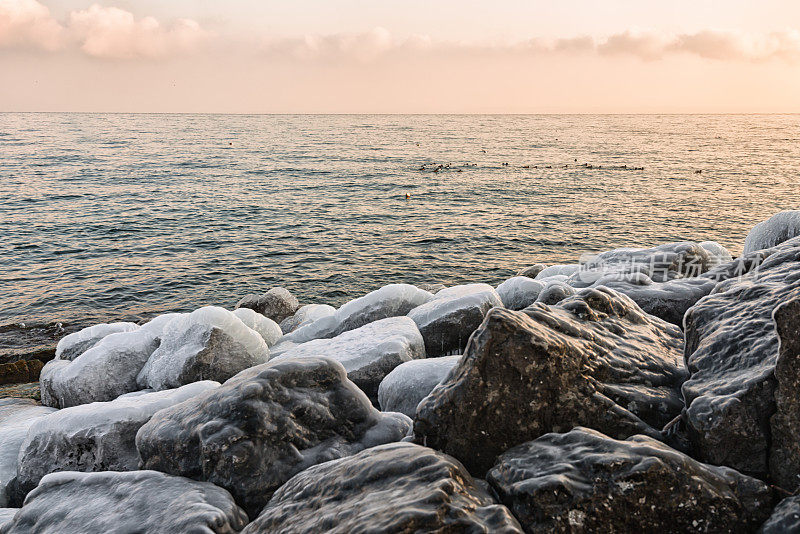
(107, 217)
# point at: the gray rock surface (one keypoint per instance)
(583, 481)
(73, 345)
(138, 501)
(780, 227)
(6, 515)
(409, 383)
(554, 292)
(448, 320)
(519, 292)
(265, 425)
(784, 458)
(398, 487)
(532, 271)
(306, 315)
(92, 437)
(276, 304)
(594, 360)
(785, 518)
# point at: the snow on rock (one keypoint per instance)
(583, 481)
(92, 437)
(447, 321)
(210, 343)
(265, 425)
(399, 487)
(369, 352)
(137, 501)
(774, 231)
(276, 304)
(409, 383)
(519, 292)
(268, 329)
(75, 344)
(16, 417)
(306, 315)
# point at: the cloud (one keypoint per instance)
(28, 24)
(727, 46)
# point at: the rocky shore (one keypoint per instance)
(640, 390)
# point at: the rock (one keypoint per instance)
(558, 270)
(210, 343)
(16, 417)
(533, 270)
(276, 304)
(393, 300)
(75, 344)
(731, 354)
(92, 437)
(431, 288)
(268, 329)
(583, 481)
(594, 360)
(6, 515)
(777, 229)
(554, 292)
(398, 487)
(785, 517)
(718, 252)
(138, 501)
(265, 425)
(20, 371)
(306, 315)
(519, 292)
(369, 352)
(448, 320)
(409, 383)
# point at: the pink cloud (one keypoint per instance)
(28, 24)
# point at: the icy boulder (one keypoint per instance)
(519, 292)
(785, 517)
(774, 231)
(265, 425)
(409, 383)
(16, 417)
(306, 315)
(268, 329)
(447, 321)
(532, 271)
(369, 352)
(276, 304)
(92, 437)
(75, 344)
(594, 360)
(138, 501)
(6, 515)
(583, 481)
(558, 270)
(398, 487)
(554, 292)
(210, 343)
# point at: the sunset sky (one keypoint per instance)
(391, 56)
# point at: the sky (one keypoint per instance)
(409, 56)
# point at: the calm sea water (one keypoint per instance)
(107, 217)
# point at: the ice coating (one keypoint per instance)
(410, 382)
(306, 315)
(452, 298)
(519, 292)
(774, 231)
(268, 329)
(558, 270)
(73, 345)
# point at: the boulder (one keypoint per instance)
(268, 329)
(398, 487)
(732, 353)
(409, 383)
(431, 288)
(265, 425)
(306, 315)
(92, 437)
(594, 360)
(777, 229)
(448, 320)
(554, 292)
(75, 344)
(369, 352)
(785, 517)
(558, 270)
(276, 304)
(6, 515)
(532, 271)
(210, 343)
(583, 481)
(519, 292)
(138, 501)
(20, 371)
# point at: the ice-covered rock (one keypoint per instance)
(268, 329)
(75, 344)
(431, 288)
(265, 425)
(276, 304)
(447, 321)
(732, 353)
(16, 417)
(306, 315)
(399, 487)
(519, 292)
(532, 271)
(719, 254)
(92, 437)
(6, 515)
(369, 352)
(583, 481)
(780, 227)
(595, 360)
(785, 518)
(138, 501)
(210, 343)
(554, 292)
(409, 383)
(558, 270)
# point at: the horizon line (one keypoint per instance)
(313, 113)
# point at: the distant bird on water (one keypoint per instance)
(408, 196)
